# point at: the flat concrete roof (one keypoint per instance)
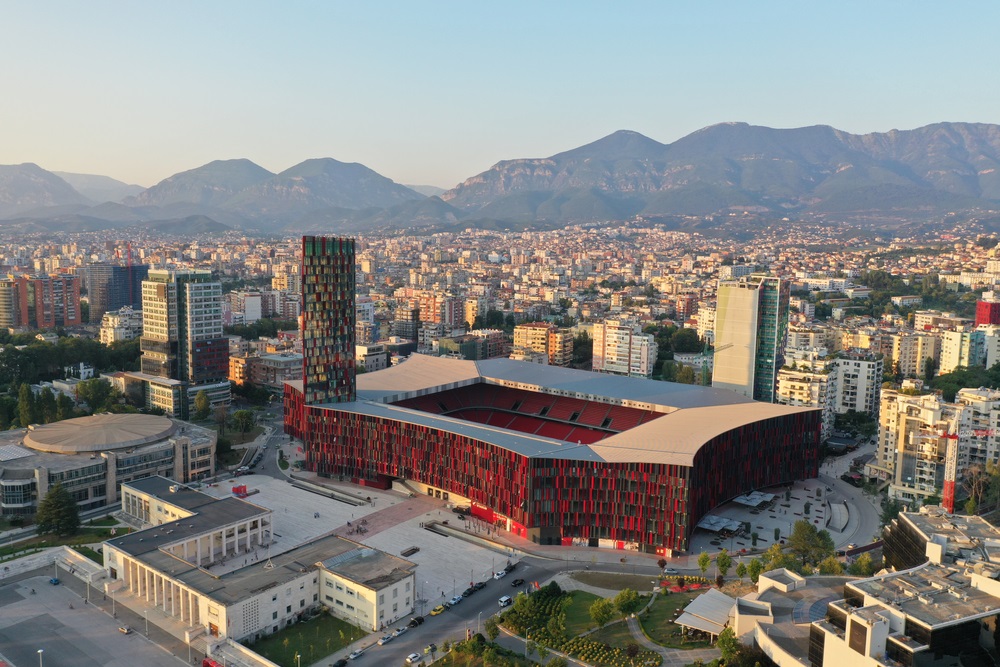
(99, 433)
(159, 487)
(931, 594)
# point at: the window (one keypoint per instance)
(395, 593)
(274, 598)
(381, 599)
(288, 609)
(274, 615)
(407, 586)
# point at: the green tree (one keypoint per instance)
(807, 543)
(47, 407)
(627, 601)
(831, 566)
(728, 644)
(685, 375)
(929, 369)
(602, 611)
(57, 513)
(685, 340)
(27, 410)
(668, 371)
(724, 561)
(244, 420)
(890, 510)
(754, 569)
(741, 570)
(64, 407)
(863, 566)
(704, 560)
(202, 405)
(96, 393)
(492, 627)
(970, 506)
(557, 661)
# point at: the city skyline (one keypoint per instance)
(139, 93)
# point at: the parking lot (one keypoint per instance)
(68, 632)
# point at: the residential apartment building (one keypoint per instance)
(621, 348)
(122, 324)
(962, 348)
(545, 338)
(810, 379)
(859, 382)
(40, 301)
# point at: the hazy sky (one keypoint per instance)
(434, 92)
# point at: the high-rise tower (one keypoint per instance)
(182, 335)
(328, 319)
(751, 321)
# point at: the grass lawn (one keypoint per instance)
(91, 554)
(230, 458)
(615, 634)
(104, 521)
(658, 624)
(85, 536)
(238, 438)
(455, 659)
(638, 582)
(283, 464)
(313, 640)
(578, 618)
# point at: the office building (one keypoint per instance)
(328, 324)
(182, 336)
(988, 309)
(751, 321)
(122, 324)
(111, 287)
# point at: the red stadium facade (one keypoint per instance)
(558, 456)
(603, 470)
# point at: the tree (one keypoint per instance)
(704, 560)
(723, 561)
(685, 340)
(632, 651)
(728, 644)
(202, 405)
(96, 393)
(627, 601)
(890, 510)
(243, 420)
(831, 566)
(662, 563)
(863, 566)
(754, 569)
(557, 661)
(47, 407)
(741, 570)
(221, 418)
(601, 611)
(65, 408)
(57, 513)
(492, 627)
(807, 544)
(27, 411)
(970, 506)
(685, 375)
(928, 369)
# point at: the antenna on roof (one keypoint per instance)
(268, 565)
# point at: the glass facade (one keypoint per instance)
(328, 318)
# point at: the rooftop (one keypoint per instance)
(99, 433)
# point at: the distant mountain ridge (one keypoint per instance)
(736, 164)
(810, 171)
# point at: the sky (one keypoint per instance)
(433, 93)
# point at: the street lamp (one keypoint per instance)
(40, 652)
(297, 658)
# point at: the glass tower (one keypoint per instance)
(328, 319)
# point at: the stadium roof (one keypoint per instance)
(99, 433)
(693, 415)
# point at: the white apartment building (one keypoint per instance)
(621, 348)
(810, 380)
(122, 324)
(859, 381)
(962, 348)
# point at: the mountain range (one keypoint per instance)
(811, 171)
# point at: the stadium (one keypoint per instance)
(555, 455)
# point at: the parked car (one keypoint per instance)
(431, 648)
(500, 574)
(356, 654)
(480, 585)
(401, 630)
(461, 510)
(415, 621)
(505, 601)
(438, 610)
(670, 570)
(414, 658)
(455, 600)
(54, 581)
(468, 591)
(385, 640)
(124, 629)
(516, 583)
(340, 663)
(510, 568)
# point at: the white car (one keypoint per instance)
(356, 654)
(500, 574)
(400, 630)
(385, 640)
(414, 658)
(455, 600)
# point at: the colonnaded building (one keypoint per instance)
(556, 455)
